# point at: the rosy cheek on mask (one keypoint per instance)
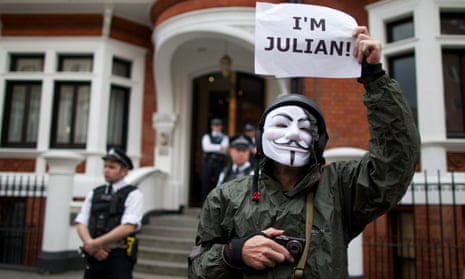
(271, 134)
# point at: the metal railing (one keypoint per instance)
(22, 209)
(422, 237)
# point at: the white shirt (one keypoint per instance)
(133, 211)
(208, 146)
(234, 168)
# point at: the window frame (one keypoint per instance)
(15, 57)
(61, 59)
(125, 62)
(461, 53)
(125, 117)
(448, 14)
(7, 113)
(390, 60)
(55, 115)
(390, 25)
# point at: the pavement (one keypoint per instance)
(31, 274)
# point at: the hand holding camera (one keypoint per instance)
(271, 247)
(294, 245)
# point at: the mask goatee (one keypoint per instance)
(292, 157)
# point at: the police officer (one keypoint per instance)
(214, 147)
(250, 131)
(239, 151)
(109, 218)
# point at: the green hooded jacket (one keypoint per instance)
(349, 195)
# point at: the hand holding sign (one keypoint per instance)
(366, 47)
(304, 40)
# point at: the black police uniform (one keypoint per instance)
(106, 212)
(107, 209)
(249, 127)
(232, 171)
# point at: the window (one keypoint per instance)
(453, 63)
(27, 63)
(404, 242)
(121, 67)
(22, 108)
(70, 115)
(75, 63)
(453, 23)
(118, 115)
(402, 68)
(400, 30)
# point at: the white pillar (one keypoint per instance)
(62, 164)
(430, 88)
(355, 257)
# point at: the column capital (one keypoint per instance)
(62, 162)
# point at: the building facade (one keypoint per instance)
(148, 75)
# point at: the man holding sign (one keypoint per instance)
(295, 217)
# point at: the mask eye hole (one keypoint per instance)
(306, 129)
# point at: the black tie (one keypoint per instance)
(110, 189)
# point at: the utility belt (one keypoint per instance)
(214, 156)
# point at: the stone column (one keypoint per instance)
(55, 256)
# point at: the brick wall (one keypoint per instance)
(51, 24)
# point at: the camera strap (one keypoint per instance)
(299, 269)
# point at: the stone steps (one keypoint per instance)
(162, 267)
(164, 245)
(152, 276)
(164, 254)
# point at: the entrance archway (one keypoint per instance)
(187, 47)
(237, 100)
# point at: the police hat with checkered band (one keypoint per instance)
(117, 155)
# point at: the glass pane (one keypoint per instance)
(453, 23)
(27, 63)
(82, 114)
(403, 70)
(65, 108)
(75, 64)
(121, 68)
(452, 75)
(118, 117)
(18, 102)
(34, 111)
(400, 30)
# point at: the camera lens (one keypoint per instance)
(294, 247)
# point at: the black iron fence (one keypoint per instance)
(422, 237)
(22, 207)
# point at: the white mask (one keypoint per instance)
(287, 136)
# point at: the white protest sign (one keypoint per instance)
(299, 40)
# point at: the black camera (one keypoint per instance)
(294, 245)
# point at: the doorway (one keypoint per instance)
(237, 99)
